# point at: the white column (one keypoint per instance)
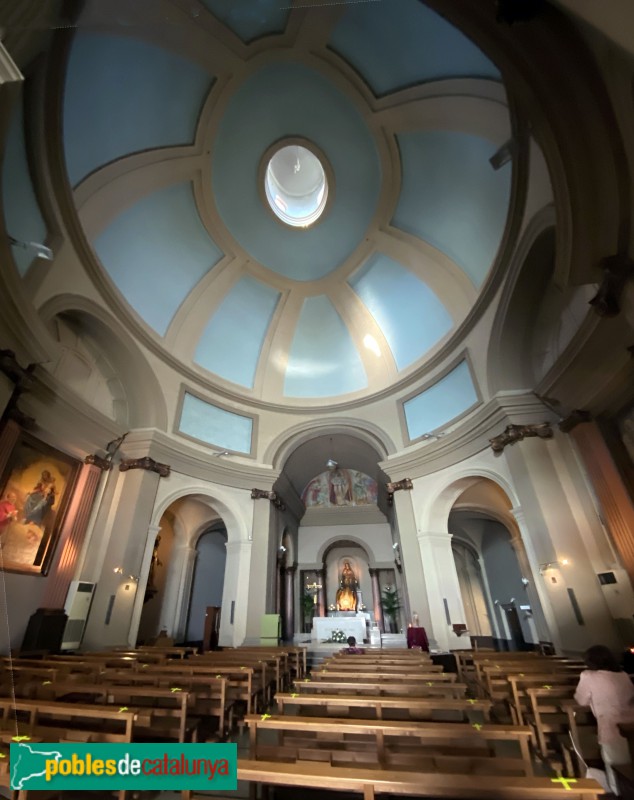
(235, 594)
(551, 534)
(413, 569)
(442, 584)
(153, 532)
(178, 591)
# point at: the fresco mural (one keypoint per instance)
(340, 487)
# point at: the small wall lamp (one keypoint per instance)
(118, 570)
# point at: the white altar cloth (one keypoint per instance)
(351, 626)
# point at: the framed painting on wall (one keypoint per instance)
(35, 490)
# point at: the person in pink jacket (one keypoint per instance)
(610, 694)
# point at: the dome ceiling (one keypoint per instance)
(168, 132)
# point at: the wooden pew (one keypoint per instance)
(268, 672)
(170, 651)
(550, 722)
(520, 702)
(297, 655)
(408, 676)
(171, 708)
(415, 784)
(383, 687)
(332, 739)
(495, 683)
(384, 707)
(383, 669)
(211, 693)
(51, 718)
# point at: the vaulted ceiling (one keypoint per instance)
(171, 111)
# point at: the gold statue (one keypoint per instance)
(346, 599)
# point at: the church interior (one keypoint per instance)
(317, 321)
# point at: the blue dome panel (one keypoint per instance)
(22, 216)
(279, 101)
(123, 96)
(156, 251)
(447, 399)
(232, 341)
(400, 43)
(214, 425)
(250, 20)
(323, 360)
(452, 197)
(409, 313)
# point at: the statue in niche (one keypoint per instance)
(346, 599)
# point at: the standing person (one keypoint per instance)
(610, 694)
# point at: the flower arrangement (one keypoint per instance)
(338, 636)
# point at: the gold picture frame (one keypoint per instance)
(35, 491)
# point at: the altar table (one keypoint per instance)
(351, 626)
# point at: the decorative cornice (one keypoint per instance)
(468, 439)
(616, 271)
(146, 463)
(576, 417)
(515, 433)
(264, 494)
(95, 460)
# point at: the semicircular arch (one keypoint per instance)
(435, 516)
(146, 402)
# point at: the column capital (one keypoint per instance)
(237, 547)
(95, 460)
(406, 484)
(439, 536)
(269, 494)
(146, 463)
(518, 513)
(516, 433)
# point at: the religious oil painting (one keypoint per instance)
(340, 487)
(35, 491)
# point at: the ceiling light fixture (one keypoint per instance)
(331, 463)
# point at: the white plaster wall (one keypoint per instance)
(377, 540)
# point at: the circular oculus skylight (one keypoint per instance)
(296, 186)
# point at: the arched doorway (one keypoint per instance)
(497, 587)
(207, 587)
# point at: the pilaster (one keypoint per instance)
(443, 589)
(415, 575)
(235, 595)
(573, 605)
(122, 534)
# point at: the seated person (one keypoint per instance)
(352, 647)
(609, 692)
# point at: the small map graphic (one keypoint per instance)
(30, 762)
